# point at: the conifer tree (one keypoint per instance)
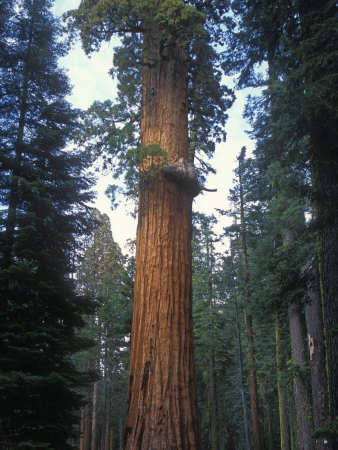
(298, 42)
(248, 312)
(106, 276)
(214, 315)
(240, 354)
(172, 57)
(206, 318)
(43, 215)
(318, 74)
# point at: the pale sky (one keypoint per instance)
(91, 81)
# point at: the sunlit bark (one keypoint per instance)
(162, 396)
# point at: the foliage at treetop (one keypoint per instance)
(111, 129)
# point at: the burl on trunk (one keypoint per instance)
(162, 411)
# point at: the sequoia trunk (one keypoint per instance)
(162, 397)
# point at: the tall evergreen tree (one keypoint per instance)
(317, 73)
(163, 37)
(106, 276)
(206, 320)
(298, 41)
(43, 214)
(248, 312)
(218, 377)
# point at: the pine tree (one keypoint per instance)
(219, 383)
(105, 275)
(317, 48)
(248, 312)
(101, 257)
(206, 319)
(240, 354)
(296, 123)
(161, 36)
(238, 196)
(43, 216)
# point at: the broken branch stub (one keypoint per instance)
(184, 174)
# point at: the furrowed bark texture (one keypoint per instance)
(324, 162)
(302, 395)
(316, 348)
(162, 389)
(329, 280)
(87, 428)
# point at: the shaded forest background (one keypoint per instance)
(264, 290)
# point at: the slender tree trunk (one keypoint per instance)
(87, 427)
(212, 379)
(81, 428)
(317, 352)
(282, 395)
(162, 396)
(249, 328)
(94, 416)
(212, 397)
(107, 433)
(266, 434)
(107, 401)
(240, 362)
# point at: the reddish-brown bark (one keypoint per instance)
(162, 389)
(87, 428)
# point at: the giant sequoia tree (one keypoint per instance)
(43, 214)
(168, 44)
